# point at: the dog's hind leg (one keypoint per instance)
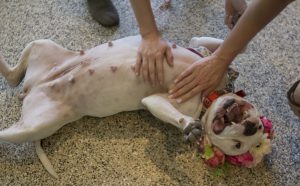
(40, 56)
(41, 117)
(15, 75)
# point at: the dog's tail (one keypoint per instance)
(17, 134)
(44, 159)
(15, 75)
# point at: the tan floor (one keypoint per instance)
(135, 148)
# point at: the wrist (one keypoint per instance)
(225, 56)
(152, 34)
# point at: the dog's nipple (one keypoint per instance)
(174, 46)
(91, 71)
(84, 62)
(110, 44)
(113, 68)
(81, 52)
(21, 96)
(71, 79)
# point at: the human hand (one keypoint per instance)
(233, 11)
(203, 76)
(151, 55)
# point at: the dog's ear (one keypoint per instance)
(218, 126)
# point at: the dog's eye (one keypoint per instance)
(260, 127)
(238, 145)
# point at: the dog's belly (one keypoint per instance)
(101, 81)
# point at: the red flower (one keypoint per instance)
(217, 159)
(245, 159)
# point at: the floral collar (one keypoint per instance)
(215, 157)
(215, 94)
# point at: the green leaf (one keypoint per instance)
(208, 152)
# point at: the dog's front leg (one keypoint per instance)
(163, 108)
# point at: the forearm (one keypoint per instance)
(145, 18)
(258, 14)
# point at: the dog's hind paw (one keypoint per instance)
(193, 131)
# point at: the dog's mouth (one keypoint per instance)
(233, 111)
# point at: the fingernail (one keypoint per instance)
(171, 96)
(171, 91)
(175, 81)
(179, 100)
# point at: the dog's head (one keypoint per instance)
(232, 124)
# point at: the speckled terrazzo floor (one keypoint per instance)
(134, 148)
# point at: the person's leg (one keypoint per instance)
(104, 12)
(293, 95)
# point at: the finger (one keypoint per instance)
(138, 64)
(182, 83)
(184, 90)
(170, 58)
(145, 69)
(183, 75)
(160, 69)
(151, 70)
(196, 90)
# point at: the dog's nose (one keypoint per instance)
(250, 128)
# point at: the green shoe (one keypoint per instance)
(104, 12)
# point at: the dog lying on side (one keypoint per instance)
(61, 86)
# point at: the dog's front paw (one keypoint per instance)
(193, 131)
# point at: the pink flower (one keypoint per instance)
(245, 159)
(268, 127)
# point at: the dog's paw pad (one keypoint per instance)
(193, 131)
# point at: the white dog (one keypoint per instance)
(61, 86)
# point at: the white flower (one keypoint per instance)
(259, 151)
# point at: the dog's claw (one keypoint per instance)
(193, 131)
(187, 129)
(196, 132)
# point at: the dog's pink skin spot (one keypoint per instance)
(91, 71)
(113, 68)
(174, 45)
(81, 52)
(110, 44)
